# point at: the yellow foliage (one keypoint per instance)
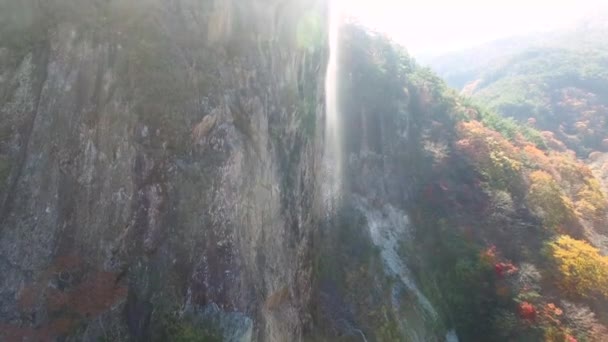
(571, 171)
(583, 270)
(591, 202)
(494, 156)
(547, 199)
(556, 334)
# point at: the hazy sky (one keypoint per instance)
(435, 26)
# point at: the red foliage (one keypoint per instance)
(504, 268)
(527, 311)
(569, 338)
(498, 269)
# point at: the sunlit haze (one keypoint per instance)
(435, 26)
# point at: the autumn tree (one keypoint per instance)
(494, 156)
(582, 270)
(548, 200)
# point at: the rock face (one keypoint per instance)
(158, 162)
(366, 241)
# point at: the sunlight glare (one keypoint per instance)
(436, 26)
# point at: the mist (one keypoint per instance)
(435, 27)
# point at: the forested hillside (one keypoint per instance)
(540, 111)
(556, 82)
(504, 220)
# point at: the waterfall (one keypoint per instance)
(333, 139)
(388, 226)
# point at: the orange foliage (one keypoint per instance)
(488, 256)
(551, 308)
(572, 179)
(494, 156)
(484, 139)
(551, 314)
(562, 188)
(570, 169)
(537, 157)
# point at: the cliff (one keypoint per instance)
(158, 162)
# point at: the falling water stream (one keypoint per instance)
(385, 230)
(333, 146)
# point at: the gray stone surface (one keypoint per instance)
(159, 151)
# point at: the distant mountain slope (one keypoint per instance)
(461, 67)
(557, 82)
